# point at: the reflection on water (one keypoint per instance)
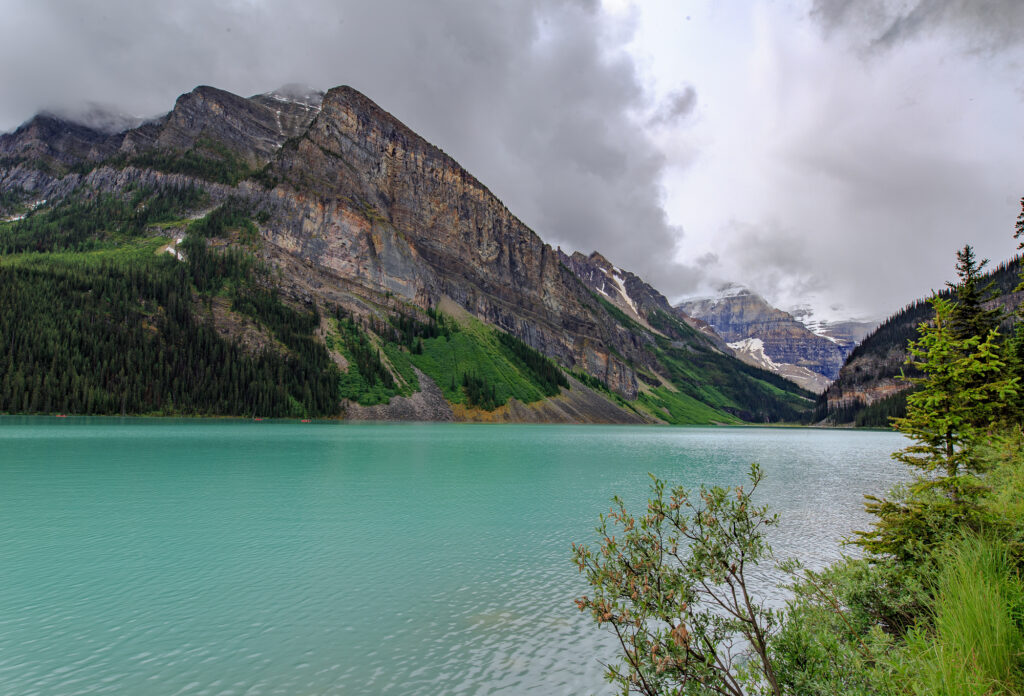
(226, 557)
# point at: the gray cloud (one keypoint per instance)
(777, 260)
(534, 98)
(677, 107)
(978, 25)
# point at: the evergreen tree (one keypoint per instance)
(964, 389)
(1019, 227)
(968, 318)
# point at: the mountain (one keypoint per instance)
(317, 242)
(851, 331)
(768, 337)
(869, 389)
(630, 293)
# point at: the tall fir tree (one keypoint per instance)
(968, 317)
(965, 388)
(1019, 227)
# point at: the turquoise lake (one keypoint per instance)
(230, 557)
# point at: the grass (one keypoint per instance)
(976, 647)
(475, 350)
(362, 383)
(678, 408)
(134, 250)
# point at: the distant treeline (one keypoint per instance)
(85, 222)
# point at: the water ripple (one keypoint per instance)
(232, 558)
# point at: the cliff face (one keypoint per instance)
(739, 314)
(357, 211)
(252, 129)
(366, 197)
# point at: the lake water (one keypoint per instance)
(225, 557)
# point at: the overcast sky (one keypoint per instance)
(826, 152)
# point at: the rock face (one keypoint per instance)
(631, 294)
(253, 129)
(623, 289)
(50, 140)
(737, 314)
(358, 211)
(366, 197)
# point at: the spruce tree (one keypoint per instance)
(1019, 227)
(965, 389)
(968, 318)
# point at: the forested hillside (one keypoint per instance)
(868, 391)
(98, 321)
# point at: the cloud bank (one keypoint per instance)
(846, 149)
(825, 152)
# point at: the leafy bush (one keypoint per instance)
(673, 584)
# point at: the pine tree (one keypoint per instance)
(965, 388)
(1019, 227)
(968, 318)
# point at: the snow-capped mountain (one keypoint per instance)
(768, 337)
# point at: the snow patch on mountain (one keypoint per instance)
(754, 349)
(617, 278)
(840, 331)
(298, 94)
(723, 293)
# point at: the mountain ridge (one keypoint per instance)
(785, 344)
(357, 212)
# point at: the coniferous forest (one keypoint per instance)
(96, 322)
(96, 319)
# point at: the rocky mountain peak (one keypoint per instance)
(51, 138)
(296, 93)
(357, 211)
(247, 128)
(98, 117)
(598, 259)
(736, 290)
(738, 314)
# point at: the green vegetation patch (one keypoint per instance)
(542, 370)
(677, 407)
(106, 325)
(232, 215)
(729, 385)
(373, 364)
(933, 604)
(101, 334)
(619, 315)
(13, 199)
(474, 366)
(207, 159)
(90, 221)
